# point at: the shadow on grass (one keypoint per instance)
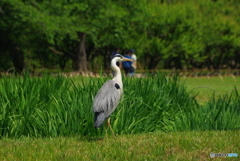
(91, 138)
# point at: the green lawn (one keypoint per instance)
(151, 146)
(204, 87)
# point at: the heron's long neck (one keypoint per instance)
(117, 72)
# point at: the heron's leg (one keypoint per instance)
(106, 129)
(109, 124)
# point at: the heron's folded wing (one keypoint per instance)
(107, 98)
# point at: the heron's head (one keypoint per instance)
(119, 57)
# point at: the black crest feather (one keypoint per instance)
(118, 55)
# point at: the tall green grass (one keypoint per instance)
(47, 107)
(50, 106)
(221, 113)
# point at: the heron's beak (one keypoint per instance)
(126, 59)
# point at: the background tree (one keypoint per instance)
(79, 35)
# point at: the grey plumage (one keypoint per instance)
(106, 101)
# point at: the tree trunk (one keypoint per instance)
(80, 62)
(152, 61)
(16, 54)
(17, 57)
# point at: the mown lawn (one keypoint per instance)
(205, 87)
(151, 146)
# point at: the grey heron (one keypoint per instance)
(109, 95)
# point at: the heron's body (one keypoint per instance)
(109, 95)
(106, 101)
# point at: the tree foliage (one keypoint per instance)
(76, 34)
